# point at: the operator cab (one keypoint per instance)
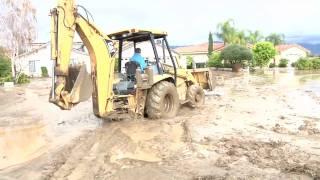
(155, 51)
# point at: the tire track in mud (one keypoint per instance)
(97, 153)
(66, 159)
(90, 156)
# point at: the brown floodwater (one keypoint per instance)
(19, 144)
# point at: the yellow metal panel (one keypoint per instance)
(102, 67)
(136, 30)
(53, 34)
(158, 78)
(66, 24)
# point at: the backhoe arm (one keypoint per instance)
(65, 21)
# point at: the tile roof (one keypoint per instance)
(37, 46)
(284, 47)
(199, 48)
(203, 48)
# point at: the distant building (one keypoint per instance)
(291, 52)
(38, 55)
(198, 52)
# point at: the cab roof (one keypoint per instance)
(137, 35)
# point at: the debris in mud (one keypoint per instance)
(209, 177)
(279, 129)
(309, 127)
(278, 155)
(215, 92)
(282, 117)
(187, 136)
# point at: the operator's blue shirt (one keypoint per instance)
(140, 60)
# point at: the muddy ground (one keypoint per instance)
(258, 126)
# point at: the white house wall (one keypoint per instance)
(197, 58)
(292, 54)
(42, 58)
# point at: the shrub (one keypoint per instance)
(23, 79)
(304, 64)
(283, 63)
(272, 65)
(227, 65)
(215, 61)
(236, 54)
(44, 72)
(315, 63)
(293, 64)
(5, 66)
(8, 78)
(189, 62)
(263, 52)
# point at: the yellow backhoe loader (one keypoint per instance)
(155, 92)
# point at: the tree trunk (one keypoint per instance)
(13, 70)
(236, 67)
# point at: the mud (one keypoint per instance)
(259, 126)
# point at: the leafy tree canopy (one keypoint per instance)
(236, 54)
(263, 52)
(275, 38)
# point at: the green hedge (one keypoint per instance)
(215, 61)
(44, 72)
(272, 65)
(5, 69)
(23, 79)
(308, 64)
(283, 63)
(315, 63)
(5, 66)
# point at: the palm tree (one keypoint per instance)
(254, 36)
(275, 38)
(227, 32)
(241, 38)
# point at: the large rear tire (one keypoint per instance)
(162, 101)
(195, 95)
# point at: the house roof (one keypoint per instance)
(44, 45)
(199, 48)
(137, 35)
(41, 46)
(284, 47)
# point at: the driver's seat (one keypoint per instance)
(131, 68)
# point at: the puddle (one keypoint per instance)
(286, 76)
(20, 144)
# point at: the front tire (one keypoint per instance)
(162, 101)
(195, 95)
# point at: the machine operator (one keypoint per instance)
(138, 58)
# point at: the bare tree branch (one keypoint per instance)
(17, 25)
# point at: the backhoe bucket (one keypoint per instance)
(79, 83)
(204, 77)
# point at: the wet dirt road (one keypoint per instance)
(260, 126)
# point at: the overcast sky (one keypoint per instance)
(189, 22)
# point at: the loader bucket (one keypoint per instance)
(204, 77)
(79, 84)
